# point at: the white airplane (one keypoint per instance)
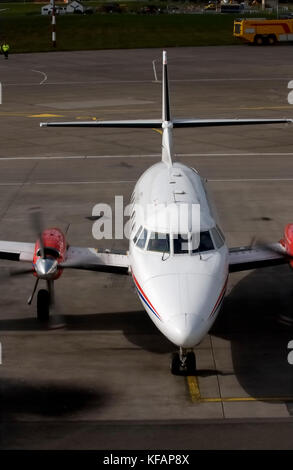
(181, 274)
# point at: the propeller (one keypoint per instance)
(36, 218)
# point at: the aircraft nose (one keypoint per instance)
(185, 330)
(184, 303)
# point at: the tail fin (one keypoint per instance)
(166, 115)
(167, 124)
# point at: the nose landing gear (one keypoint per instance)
(45, 300)
(43, 305)
(183, 363)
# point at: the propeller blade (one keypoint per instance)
(6, 273)
(70, 264)
(37, 224)
(21, 272)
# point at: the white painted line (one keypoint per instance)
(68, 183)
(248, 154)
(79, 157)
(63, 183)
(44, 75)
(155, 71)
(151, 155)
(188, 80)
(83, 182)
(239, 180)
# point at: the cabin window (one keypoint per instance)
(142, 239)
(159, 242)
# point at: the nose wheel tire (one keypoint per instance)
(43, 305)
(190, 363)
(184, 365)
(175, 364)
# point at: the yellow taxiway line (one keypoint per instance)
(193, 387)
(267, 107)
(194, 393)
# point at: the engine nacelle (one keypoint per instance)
(287, 241)
(54, 245)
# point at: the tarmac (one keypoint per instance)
(99, 377)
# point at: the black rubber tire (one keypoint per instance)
(175, 364)
(190, 363)
(259, 40)
(271, 40)
(43, 305)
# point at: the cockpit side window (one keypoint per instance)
(206, 243)
(219, 242)
(159, 242)
(142, 239)
(221, 233)
(137, 234)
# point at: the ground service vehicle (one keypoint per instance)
(262, 31)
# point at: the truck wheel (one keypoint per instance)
(258, 40)
(272, 39)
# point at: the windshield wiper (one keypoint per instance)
(167, 245)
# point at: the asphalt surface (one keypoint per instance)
(98, 377)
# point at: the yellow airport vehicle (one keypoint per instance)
(262, 31)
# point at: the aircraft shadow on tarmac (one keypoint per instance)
(250, 321)
(136, 327)
(49, 400)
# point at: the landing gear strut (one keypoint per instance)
(183, 363)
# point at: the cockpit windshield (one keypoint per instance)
(159, 242)
(176, 243)
(205, 244)
(181, 244)
(185, 243)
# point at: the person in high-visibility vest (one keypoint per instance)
(5, 49)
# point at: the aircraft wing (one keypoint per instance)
(92, 259)
(247, 257)
(17, 251)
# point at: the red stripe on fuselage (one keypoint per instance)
(219, 298)
(142, 292)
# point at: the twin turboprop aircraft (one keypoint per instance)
(180, 274)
